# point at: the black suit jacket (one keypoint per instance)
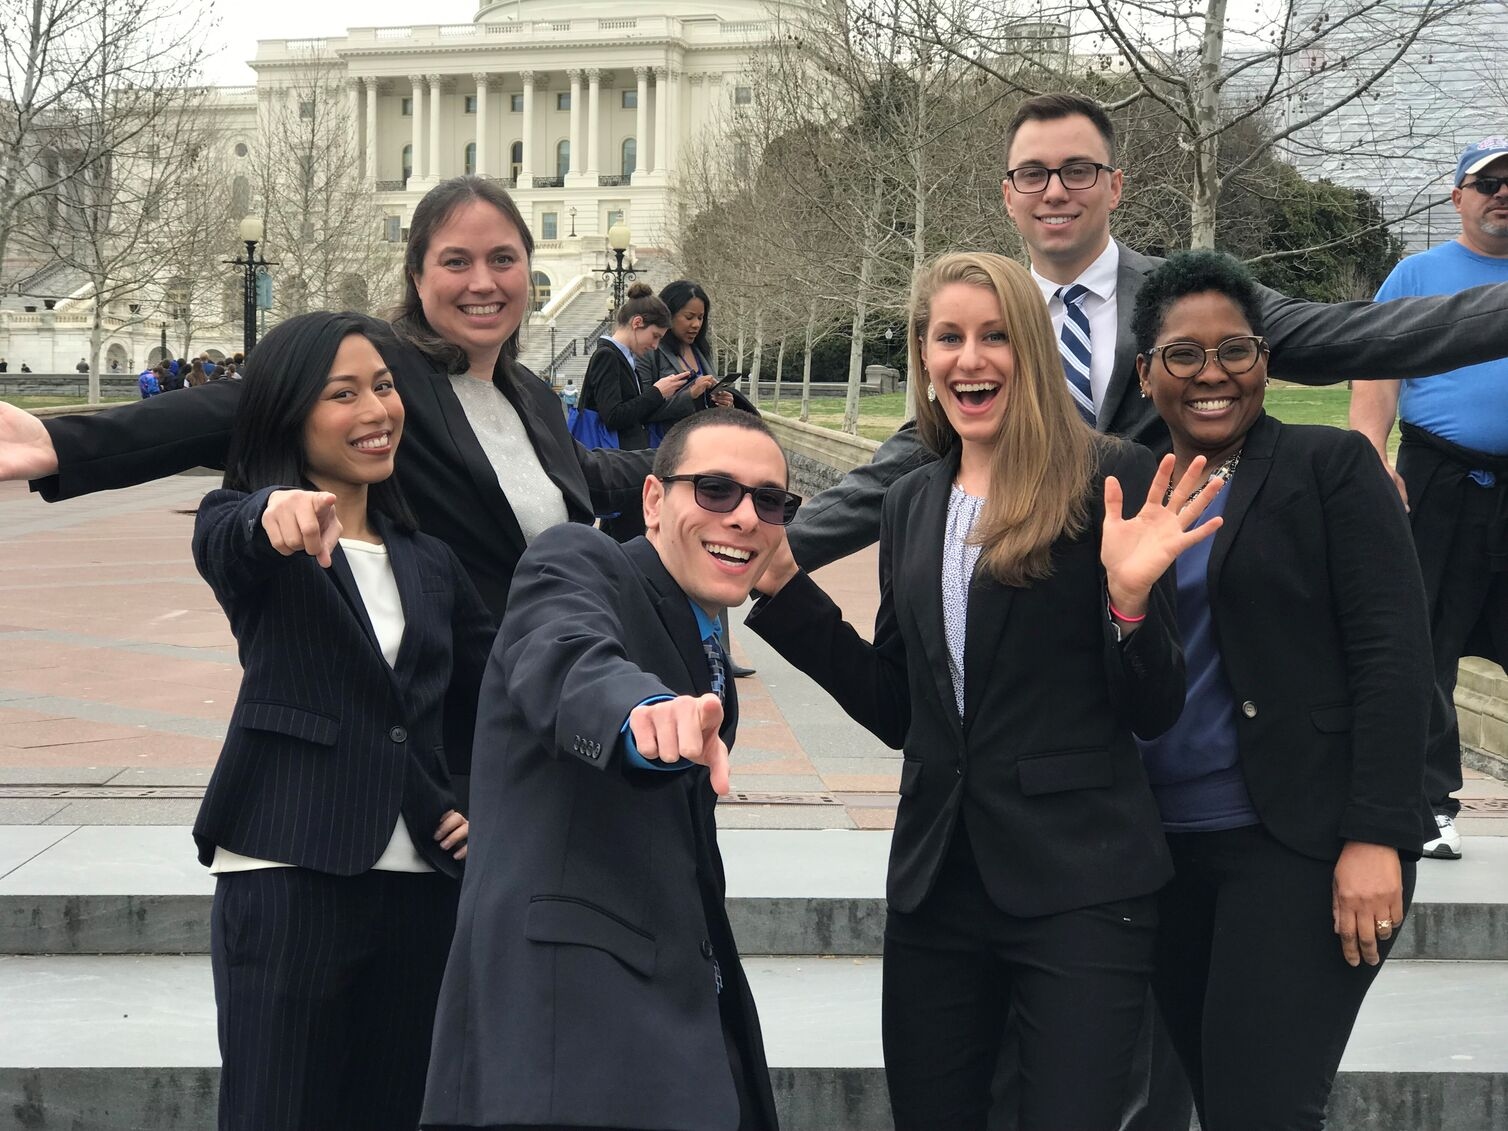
(612, 388)
(1313, 343)
(580, 989)
(1042, 768)
(327, 742)
(440, 464)
(1321, 618)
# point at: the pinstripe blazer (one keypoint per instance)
(328, 743)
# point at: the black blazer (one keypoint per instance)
(1323, 628)
(440, 464)
(580, 989)
(612, 388)
(327, 742)
(1042, 769)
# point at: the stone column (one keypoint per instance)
(574, 74)
(353, 107)
(481, 124)
(696, 116)
(641, 123)
(371, 164)
(526, 137)
(417, 141)
(673, 126)
(662, 108)
(593, 124)
(434, 127)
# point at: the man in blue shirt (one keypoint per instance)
(592, 926)
(1453, 467)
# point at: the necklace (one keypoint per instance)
(1224, 471)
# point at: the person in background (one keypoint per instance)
(149, 383)
(83, 365)
(611, 387)
(687, 348)
(1453, 469)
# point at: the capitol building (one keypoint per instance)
(584, 109)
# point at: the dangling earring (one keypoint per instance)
(931, 394)
(1143, 391)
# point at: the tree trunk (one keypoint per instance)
(1205, 197)
(860, 313)
(96, 344)
(779, 371)
(758, 357)
(806, 365)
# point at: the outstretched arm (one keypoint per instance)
(846, 518)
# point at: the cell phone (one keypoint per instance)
(727, 381)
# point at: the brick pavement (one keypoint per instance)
(118, 674)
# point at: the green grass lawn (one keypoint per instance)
(879, 416)
(55, 401)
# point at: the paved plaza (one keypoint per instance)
(117, 678)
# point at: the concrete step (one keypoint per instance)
(129, 1042)
(105, 889)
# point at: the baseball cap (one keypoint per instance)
(1477, 156)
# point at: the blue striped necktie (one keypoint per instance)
(715, 669)
(1073, 344)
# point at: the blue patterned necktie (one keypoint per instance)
(1073, 344)
(715, 667)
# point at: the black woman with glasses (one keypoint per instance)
(1025, 633)
(594, 980)
(1290, 787)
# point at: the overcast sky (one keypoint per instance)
(240, 23)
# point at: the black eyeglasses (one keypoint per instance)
(1074, 175)
(1186, 360)
(721, 495)
(1487, 186)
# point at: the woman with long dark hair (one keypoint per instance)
(331, 822)
(488, 462)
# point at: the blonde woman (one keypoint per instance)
(1025, 633)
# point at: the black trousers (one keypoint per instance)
(1250, 979)
(1468, 597)
(1073, 984)
(326, 989)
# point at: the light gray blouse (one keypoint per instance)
(535, 500)
(959, 558)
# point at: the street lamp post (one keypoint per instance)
(251, 235)
(616, 273)
(572, 212)
(889, 352)
(551, 368)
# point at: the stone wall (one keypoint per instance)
(819, 457)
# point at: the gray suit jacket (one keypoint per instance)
(1313, 343)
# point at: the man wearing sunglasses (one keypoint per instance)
(1453, 467)
(594, 980)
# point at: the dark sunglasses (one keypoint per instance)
(1487, 186)
(721, 495)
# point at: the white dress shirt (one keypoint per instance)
(1099, 307)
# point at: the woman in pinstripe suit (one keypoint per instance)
(330, 821)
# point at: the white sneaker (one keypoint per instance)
(1446, 846)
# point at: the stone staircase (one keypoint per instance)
(109, 1021)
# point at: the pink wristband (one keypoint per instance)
(1120, 616)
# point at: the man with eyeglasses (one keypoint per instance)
(1061, 184)
(594, 980)
(1453, 467)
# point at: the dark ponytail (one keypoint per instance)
(642, 303)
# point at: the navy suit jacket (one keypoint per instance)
(328, 743)
(581, 987)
